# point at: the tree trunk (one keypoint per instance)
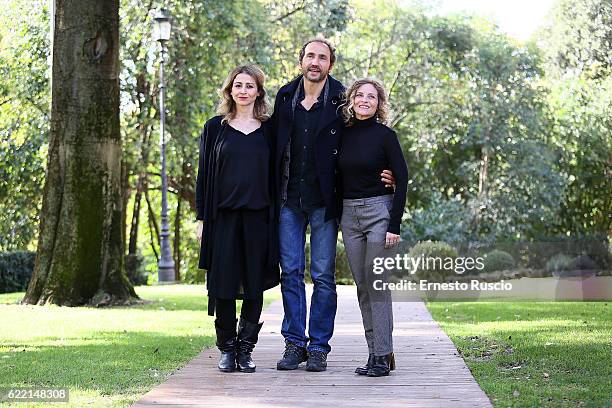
(133, 242)
(484, 173)
(125, 194)
(153, 227)
(483, 186)
(80, 247)
(177, 239)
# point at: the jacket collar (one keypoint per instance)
(336, 89)
(299, 93)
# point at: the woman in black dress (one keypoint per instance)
(236, 214)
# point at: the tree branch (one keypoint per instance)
(153, 227)
(289, 14)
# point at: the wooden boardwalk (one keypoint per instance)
(429, 373)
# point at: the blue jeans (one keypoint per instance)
(323, 304)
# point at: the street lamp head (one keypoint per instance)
(161, 25)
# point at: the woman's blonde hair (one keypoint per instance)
(382, 112)
(227, 106)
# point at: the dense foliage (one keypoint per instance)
(16, 270)
(504, 141)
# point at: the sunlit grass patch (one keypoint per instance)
(534, 354)
(105, 356)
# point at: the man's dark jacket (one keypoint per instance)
(211, 140)
(327, 142)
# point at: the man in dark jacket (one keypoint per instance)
(307, 124)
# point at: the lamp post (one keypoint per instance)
(161, 34)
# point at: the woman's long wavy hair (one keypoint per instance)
(382, 112)
(227, 106)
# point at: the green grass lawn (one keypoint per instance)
(107, 357)
(534, 354)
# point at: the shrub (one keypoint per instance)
(559, 262)
(16, 270)
(435, 271)
(443, 219)
(191, 274)
(134, 267)
(596, 246)
(497, 260)
(582, 263)
(344, 275)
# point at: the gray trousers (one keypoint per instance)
(364, 227)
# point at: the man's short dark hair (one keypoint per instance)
(332, 50)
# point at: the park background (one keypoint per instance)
(506, 139)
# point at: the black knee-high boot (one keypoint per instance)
(227, 343)
(248, 334)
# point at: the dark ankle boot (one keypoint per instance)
(247, 338)
(363, 370)
(226, 342)
(382, 365)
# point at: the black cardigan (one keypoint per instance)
(211, 140)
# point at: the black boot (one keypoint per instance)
(363, 370)
(247, 338)
(382, 365)
(226, 342)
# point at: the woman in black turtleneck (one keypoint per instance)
(371, 213)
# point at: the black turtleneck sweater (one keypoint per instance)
(368, 148)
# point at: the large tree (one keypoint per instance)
(577, 46)
(80, 246)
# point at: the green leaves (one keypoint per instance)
(578, 60)
(24, 119)
(462, 94)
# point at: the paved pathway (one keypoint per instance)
(429, 373)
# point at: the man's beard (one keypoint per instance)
(322, 74)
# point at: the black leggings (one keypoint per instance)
(226, 311)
